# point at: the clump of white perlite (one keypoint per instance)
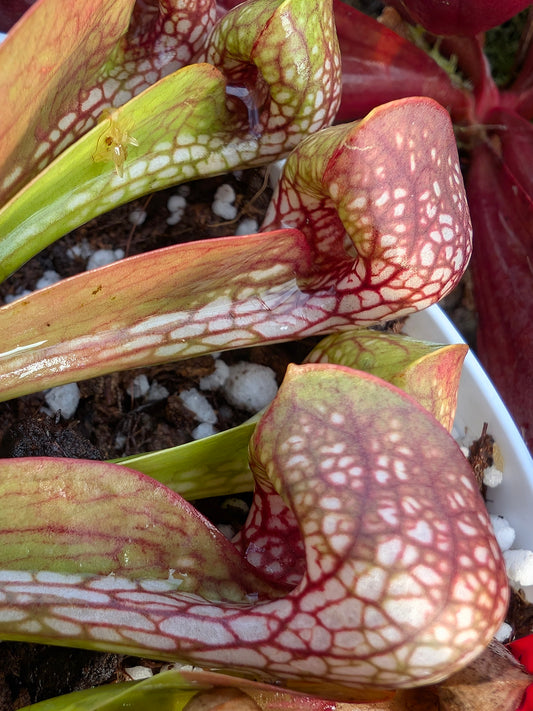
(247, 386)
(223, 205)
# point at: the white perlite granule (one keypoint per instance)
(176, 205)
(156, 392)
(204, 429)
(248, 226)
(139, 387)
(223, 203)
(81, 250)
(250, 386)
(48, 278)
(504, 632)
(503, 531)
(139, 672)
(492, 477)
(65, 398)
(199, 405)
(519, 565)
(9, 298)
(102, 257)
(137, 217)
(217, 378)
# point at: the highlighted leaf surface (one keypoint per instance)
(73, 516)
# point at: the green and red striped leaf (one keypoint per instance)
(65, 62)
(429, 372)
(76, 516)
(193, 298)
(198, 690)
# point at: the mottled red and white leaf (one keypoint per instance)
(382, 204)
(384, 231)
(403, 582)
(284, 57)
(218, 464)
(193, 298)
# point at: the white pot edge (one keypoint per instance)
(479, 402)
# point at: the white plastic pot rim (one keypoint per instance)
(479, 402)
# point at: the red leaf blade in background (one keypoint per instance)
(379, 66)
(501, 207)
(460, 17)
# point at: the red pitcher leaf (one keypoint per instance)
(460, 17)
(514, 142)
(185, 127)
(379, 66)
(282, 62)
(502, 215)
(428, 371)
(404, 583)
(285, 449)
(76, 516)
(64, 63)
(522, 87)
(382, 203)
(472, 62)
